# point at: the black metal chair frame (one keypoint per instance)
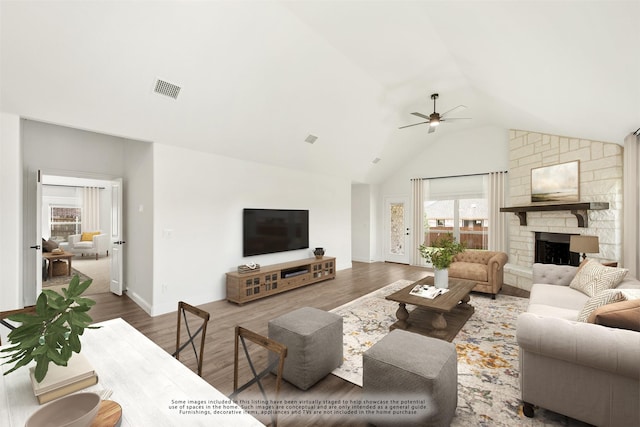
(183, 308)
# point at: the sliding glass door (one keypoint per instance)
(466, 219)
(457, 205)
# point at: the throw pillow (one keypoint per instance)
(88, 237)
(622, 315)
(603, 298)
(594, 277)
(48, 245)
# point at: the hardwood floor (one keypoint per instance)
(219, 350)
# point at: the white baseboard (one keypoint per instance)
(140, 301)
(369, 261)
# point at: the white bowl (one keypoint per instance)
(74, 410)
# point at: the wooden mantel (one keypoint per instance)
(579, 209)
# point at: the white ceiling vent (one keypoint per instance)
(311, 139)
(165, 88)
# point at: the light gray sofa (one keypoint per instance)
(583, 370)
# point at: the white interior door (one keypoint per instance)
(117, 242)
(396, 230)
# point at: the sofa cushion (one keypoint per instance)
(556, 301)
(469, 271)
(594, 277)
(83, 245)
(622, 315)
(553, 274)
(605, 297)
(629, 282)
(557, 296)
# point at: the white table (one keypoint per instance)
(145, 379)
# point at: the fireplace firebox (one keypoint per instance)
(553, 248)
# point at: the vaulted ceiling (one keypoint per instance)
(258, 77)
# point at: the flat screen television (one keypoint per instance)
(266, 231)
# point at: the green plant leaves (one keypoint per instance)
(442, 251)
(52, 334)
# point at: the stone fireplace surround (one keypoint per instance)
(600, 181)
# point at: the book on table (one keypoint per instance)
(425, 291)
(63, 380)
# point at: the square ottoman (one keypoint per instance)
(420, 371)
(314, 344)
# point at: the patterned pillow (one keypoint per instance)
(593, 277)
(603, 298)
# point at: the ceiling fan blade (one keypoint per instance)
(415, 124)
(450, 119)
(432, 129)
(421, 115)
(454, 109)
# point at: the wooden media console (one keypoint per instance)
(276, 278)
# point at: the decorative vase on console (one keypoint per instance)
(319, 253)
(440, 254)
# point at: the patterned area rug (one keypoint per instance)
(488, 384)
(64, 280)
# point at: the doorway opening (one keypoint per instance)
(75, 217)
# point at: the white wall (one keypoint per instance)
(138, 227)
(64, 151)
(183, 209)
(364, 199)
(10, 213)
(360, 222)
(480, 150)
(198, 202)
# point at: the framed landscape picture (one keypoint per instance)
(556, 183)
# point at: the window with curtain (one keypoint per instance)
(457, 205)
(64, 221)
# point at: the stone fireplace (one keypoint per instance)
(600, 181)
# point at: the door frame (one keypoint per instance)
(116, 270)
(28, 284)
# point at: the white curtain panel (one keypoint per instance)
(417, 200)
(91, 209)
(497, 221)
(631, 209)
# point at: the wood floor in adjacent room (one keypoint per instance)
(348, 285)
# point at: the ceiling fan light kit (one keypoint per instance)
(435, 118)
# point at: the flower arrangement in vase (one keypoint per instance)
(440, 254)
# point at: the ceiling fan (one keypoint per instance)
(434, 119)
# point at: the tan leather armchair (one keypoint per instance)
(486, 268)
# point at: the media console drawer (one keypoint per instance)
(297, 280)
(273, 279)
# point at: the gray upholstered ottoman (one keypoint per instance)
(405, 366)
(314, 344)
